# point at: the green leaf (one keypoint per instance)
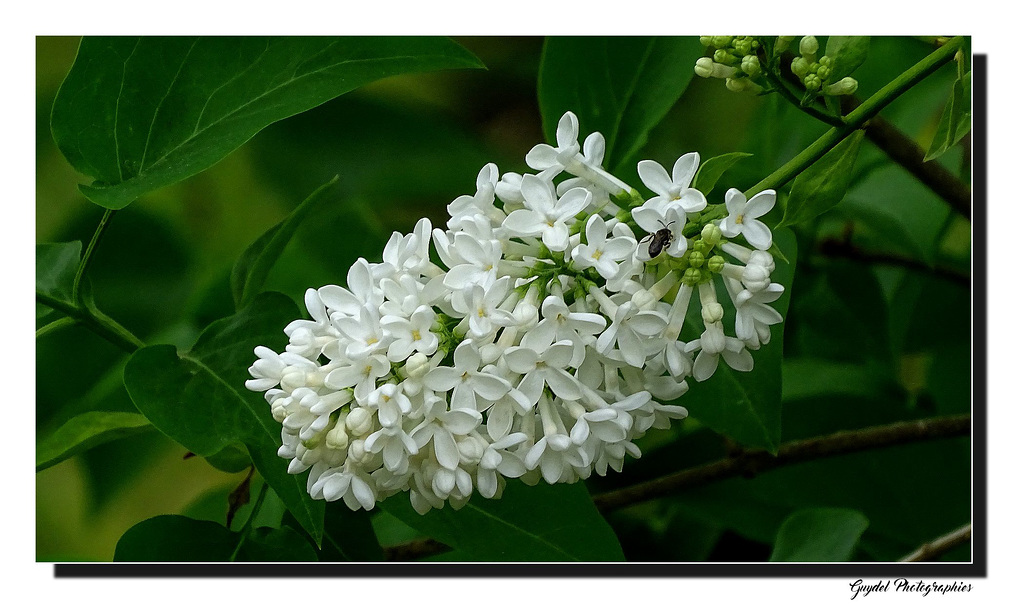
(528, 523)
(173, 538)
(747, 406)
(819, 535)
(823, 185)
(84, 431)
(199, 399)
(56, 264)
(620, 86)
(140, 113)
(349, 536)
(252, 268)
(847, 53)
(955, 122)
(284, 544)
(840, 292)
(711, 170)
(230, 459)
(806, 377)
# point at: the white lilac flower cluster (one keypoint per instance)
(543, 345)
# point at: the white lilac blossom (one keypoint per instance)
(550, 337)
(743, 217)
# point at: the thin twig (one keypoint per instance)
(76, 287)
(834, 248)
(747, 463)
(943, 544)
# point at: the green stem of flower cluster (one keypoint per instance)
(856, 118)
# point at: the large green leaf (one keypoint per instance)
(823, 185)
(840, 292)
(528, 523)
(139, 113)
(746, 406)
(620, 86)
(85, 431)
(173, 538)
(819, 535)
(199, 399)
(252, 268)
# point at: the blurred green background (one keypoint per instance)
(864, 343)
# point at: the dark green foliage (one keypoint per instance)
(528, 523)
(137, 113)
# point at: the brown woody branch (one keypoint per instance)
(749, 464)
(943, 544)
(837, 248)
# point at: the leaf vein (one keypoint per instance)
(117, 110)
(156, 111)
(274, 89)
(520, 530)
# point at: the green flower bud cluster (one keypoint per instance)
(815, 72)
(734, 59)
(700, 260)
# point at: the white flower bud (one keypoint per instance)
(359, 421)
(742, 85)
(712, 312)
(644, 300)
(337, 438)
(808, 47)
(762, 259)
(704, 67)
(357, 452)
(845, 86)
(470, 450)
(293, 377)
(417, 365)
(756, 277)
(279, 408)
